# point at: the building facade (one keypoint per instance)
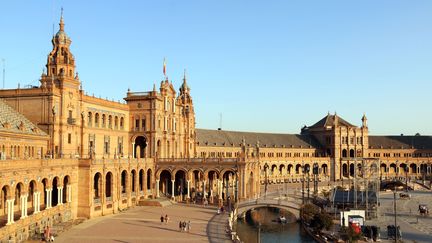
(66, 155)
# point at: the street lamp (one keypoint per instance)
(406, 177)
(315, 176)
(307, 170)
(266, 179)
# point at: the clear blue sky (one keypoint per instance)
(269, 66)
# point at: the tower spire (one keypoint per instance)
(61, 21)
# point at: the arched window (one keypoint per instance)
(116, 122)
(103, 121)
(109, 121)
(344, 153)
(121, 122)
(97, 120)
(90, 119)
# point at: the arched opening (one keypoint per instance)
(165, 183)
(212, 192)
(108, 186)
(149, 179)
(96, 124)
(5, 193)
(352, 169)
(344, 153)
(123, 183)
(196, 185)
(30, 199)
(289, 167)
(324, 169)
(90, 119)
(383, 168)
(228, 194)
(141, 181)
(180, 184)
(97, 185)
(18, 192)
(352, 155)
(55, 185)
(413, 168)
(133, 178)
(393, 168)
(298, 169)
(140, 146)
(66, 181)
(274, 169)
(281, 169)
(345, 170)
(45, 196)
(307, 169)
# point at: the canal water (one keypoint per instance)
(270, 230)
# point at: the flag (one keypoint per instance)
(164, 67)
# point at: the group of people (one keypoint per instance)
(185, 226)
(164, 219)
(47, 236)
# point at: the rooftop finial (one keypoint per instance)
(61, 21)
(184, 75)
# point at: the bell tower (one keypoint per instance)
(188, 117)
(60, 67)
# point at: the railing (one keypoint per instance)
(138, 93)
(197, 160)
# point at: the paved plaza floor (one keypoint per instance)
(142, 224)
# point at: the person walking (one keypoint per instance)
(166, 218)
(188, 226)
(162, 219)
(180, 226)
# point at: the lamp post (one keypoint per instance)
(303, 182)
(406, 177)
(266, 179)
(315, 176)
(307, 169)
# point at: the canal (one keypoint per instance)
(270, 229)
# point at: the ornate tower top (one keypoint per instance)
(184, 89)
(364, 120)
(60, 62)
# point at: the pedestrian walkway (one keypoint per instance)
(142, 224)
(216, 229)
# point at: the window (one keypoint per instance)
(69, 138)
(136, 124)
(143, 124)
(70, 114)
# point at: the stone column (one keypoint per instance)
(157, 188)
(172, 189)
(204, 188)
(133, 150)
(69, 193)
(36, 202)
(23, 206)
(10, 211)
(48, 198)
(188, 189)
(60, 195)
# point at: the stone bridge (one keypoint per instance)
(290, 204)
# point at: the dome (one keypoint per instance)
(62, 37)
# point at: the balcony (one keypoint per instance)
(71, 121)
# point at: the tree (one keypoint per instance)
(321, 221)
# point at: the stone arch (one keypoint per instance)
(165, 183)
(298, 169)
(90, 119)
(141, 177)
(351, 169)
(344, 153)
(45, 185)
(392, 168)
(124, 181)
(413, 168)
(121, 122)
(149, 179)
(66, 184)
(5, 195)
(383, 168)
(281, 169)
(133, 180)
(324, 169)
(351, 153)
(290, 169)
(250, 185)
(273, 169)
(97, 185)
(140, 147)
(345, 170)
(180, 185)
(19, 191)
(97, 120)
(32, 188)
(108, 185)
(55, 191)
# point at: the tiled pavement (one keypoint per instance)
(142, 224)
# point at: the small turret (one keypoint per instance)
(364, 120)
